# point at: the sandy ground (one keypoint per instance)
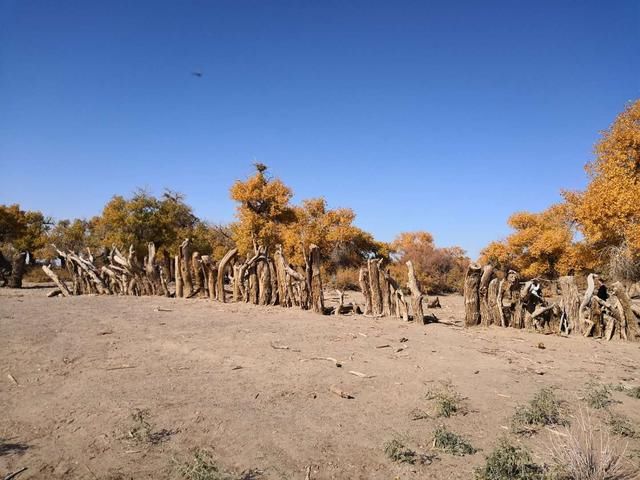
(210, 377)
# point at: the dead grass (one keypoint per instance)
(544, 409)
(585, 452)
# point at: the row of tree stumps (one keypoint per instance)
(493, 298)
(261, 279)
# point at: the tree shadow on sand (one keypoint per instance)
(8, 448)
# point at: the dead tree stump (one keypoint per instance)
(363, 279)
(570, 305)
(416, 294)
(483, 295)
(471, 296)
(374, 287)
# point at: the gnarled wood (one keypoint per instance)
(570, 305)
(374, 287)
(64, 290)
(416, 294)
(483, 295)
(471, 296)
(365, 288)
(230, 255)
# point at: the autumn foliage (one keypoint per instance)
(597, 229)
(439, 270)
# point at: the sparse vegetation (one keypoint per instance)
(597, 396)
(397, 451)
(587, 453)
(418, 414)
(633, 392)
(142, 430)
(447, 401)
(509, 462)
(451, 443)
(203, 467)
(621, 425)
(543, 410)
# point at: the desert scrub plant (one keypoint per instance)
(544, 409)
(585, 452)
(597, 396)
(142, 431)
(509, 462)
(202, 467)
(399, 452)
(447, 401)
(451, 443)
(621, 425)
(633, 392)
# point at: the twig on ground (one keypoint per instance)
(340, 392)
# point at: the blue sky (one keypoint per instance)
(437, 116)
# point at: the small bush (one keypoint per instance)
(142, 431)
(581, 455)
(509, 462)
(597, 396)
(447, 402)
(633, 392)
(398, 452)
(543, 410)
(202, 467)
(621, 425)
(451, 443)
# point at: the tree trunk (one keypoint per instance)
(178, 273)
(365, 289)
(471, 296)
(61, 285)
(483, 295)
(185, 265)
(264, 283)
(385, 288)
(416, 294)
(317, 296)
(570, 305)
(231, 254)
(374, 287)
(629, 329)
(18, 267)
(492, 301)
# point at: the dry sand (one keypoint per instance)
(210, 376)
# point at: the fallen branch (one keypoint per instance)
(341, 393)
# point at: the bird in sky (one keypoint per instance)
(197, 73)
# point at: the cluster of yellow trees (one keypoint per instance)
(596, 229)
(265, 217)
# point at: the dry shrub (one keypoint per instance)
(583, 452)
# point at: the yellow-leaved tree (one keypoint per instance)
(439, 270)
(340, 241)
(262, 211)
(541, 245)
(608, 211)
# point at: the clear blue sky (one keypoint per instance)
(440, 116)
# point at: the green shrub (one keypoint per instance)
(543, 410)
(451, 443)
(398, 452)
(447, 402)
(509, 462)
(621, 425)
(597, 396)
